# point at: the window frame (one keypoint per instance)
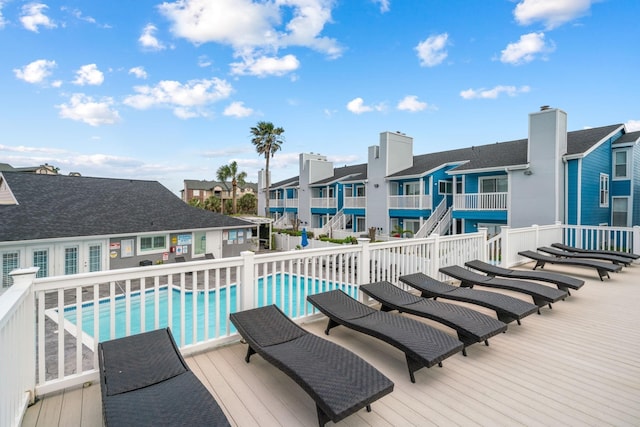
(495, 178)
(604, 188)
(614, 166)
(448, 185)
(154, 248)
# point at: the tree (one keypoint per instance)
(248, 204)
(267, 139)
(212, 204)
(231, 171)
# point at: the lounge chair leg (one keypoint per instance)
(486, 342)
(250, 352)
(332, 324)
(322, 417)
(464, 352)
(519, 322)
(368, 408)
(439, 364)
(539, 311)
(550, 307)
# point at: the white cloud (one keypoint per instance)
(526, 49)
(83, 108)
(432, 51)
(411, 103)
(357, 106)
(265, 66)
(32, 17)
(139, 72)
(204, 61)
(494, 92)
(148, 40)
(633, 125)
(384, 5)
(89, 75)
(254, 29)
(237, 109)
(35, 72)
(3, 21)
(552, 13)
(186, 99)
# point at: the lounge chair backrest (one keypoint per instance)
(341, 305)
(417, 279)
(266, 326)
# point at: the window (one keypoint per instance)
(10, 261)
(411, 188)
(445, 187)
(360, 191)
(95, 258)
(71, 260)
(604, 190)
(153, 243)
(620, 211)
(620, 164)
(494, 184)
(199, 242)
(41, 260)
(196, 193)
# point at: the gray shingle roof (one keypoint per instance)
(54, 206)
(581, 141)
(628, 138)
(346, 173)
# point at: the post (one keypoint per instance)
(504, 247)
(482, 255)
(435, 264)
(247, 283)
(365, 261)
(635, 248)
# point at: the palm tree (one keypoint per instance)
(231, 171)
(267, 139)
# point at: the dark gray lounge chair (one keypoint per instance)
(471, 326)
(541, 294)
(618, 260)
(423, 345)
(146, 382)
(562, 281)
(595, 251)
(603, 268)
(507, 308)
(339, 381)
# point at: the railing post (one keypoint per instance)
(504, 255)
(635, 248)
(435, 265)
(365, 261)
(247, 284)
(536, 234)
(482, 253)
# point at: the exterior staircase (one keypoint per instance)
(438, 222)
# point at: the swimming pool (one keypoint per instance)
(289, 293)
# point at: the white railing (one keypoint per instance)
(602, 238)
(337, 222)
(443, 226)
(355, 202)
(410, 202)
(17, 348)
(291, 203)
(323, 202)
(480, 201)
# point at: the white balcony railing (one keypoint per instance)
(324, 202)
(355, 202)
(481, 201)
(410, 202)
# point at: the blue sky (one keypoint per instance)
(168, 91)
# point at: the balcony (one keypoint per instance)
(355, 202)
(481, 201)
(324, 202)
(410, 202)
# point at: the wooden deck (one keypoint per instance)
(576, 364)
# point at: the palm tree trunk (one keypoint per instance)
(267, 185)
(234, 186)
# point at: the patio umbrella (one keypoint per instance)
(305, 240)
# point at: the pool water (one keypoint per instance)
(289, 294)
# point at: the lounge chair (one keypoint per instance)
(541, 294)
(602, 268)
(563, 282)
(146, 382)
(423, 345)
(560, 253)
(595, 251)
(507, 308)
(339, 381)
(471, 326)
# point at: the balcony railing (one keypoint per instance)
(481, 201)
(355, 202)
(324, 202)
(410, 202)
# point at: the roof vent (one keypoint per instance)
(544, 108)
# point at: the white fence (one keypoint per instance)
(55, 323)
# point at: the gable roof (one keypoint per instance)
(580, 141)
(195, 184)
(628, 138)
(345, 173)
(56, 206)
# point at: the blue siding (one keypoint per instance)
(621, 188)
(635, 185)
(572, 191)
(598, 161)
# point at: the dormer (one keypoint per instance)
(6, 196)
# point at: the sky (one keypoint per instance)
(169, 91)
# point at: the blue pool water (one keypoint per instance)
(287, 289)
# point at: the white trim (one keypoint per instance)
(627, 175)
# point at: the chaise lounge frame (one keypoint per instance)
(561, 253)
(595, 251)
(339, 381)
(470, 325)
(507, 308)
(423, 345)
(602, 268)
(145, 382)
